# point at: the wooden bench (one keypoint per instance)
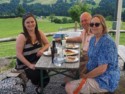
(121, 53)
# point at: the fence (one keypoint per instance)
(7, 46)
(8, 52)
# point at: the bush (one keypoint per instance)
(56, 20)
(64, 20)
(109, 18)
(70, 21)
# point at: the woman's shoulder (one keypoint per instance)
(21, 36)
(108, 38)
(41, 32)
(108, 41)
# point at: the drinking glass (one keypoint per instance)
(63, 43)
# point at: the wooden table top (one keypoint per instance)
(45, 62)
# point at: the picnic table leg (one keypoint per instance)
(41, 74)
(124, 66)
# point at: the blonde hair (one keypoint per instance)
(102, 21)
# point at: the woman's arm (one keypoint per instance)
(96, 72)
(45, 43)
(20, 42)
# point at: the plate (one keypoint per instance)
(70, 52)
(73, 46)
(71, 59)
(47, 53)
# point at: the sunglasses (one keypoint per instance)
(96, 24)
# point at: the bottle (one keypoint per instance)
(62, 37)
(53, 50)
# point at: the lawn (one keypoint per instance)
(12, 27)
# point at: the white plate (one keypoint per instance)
(73, 46)
(47, 53)
(71, 59)
(70, 52)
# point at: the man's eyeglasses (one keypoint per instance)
(96, 24)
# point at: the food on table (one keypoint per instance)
(68, 52)
(70, 45)
(71, 58)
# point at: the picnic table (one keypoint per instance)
(45, 63)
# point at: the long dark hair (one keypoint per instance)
(27, 15)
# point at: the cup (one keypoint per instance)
(49, 49)
(63, 43)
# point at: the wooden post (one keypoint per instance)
(118, 25)
(75, 28)
(124, 66)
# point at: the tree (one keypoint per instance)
(51, 17)
(106, 8)
(123, 15)
(76, 10)
(20, 11)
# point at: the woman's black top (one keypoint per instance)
(29, 52)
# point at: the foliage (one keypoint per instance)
(14, 8)
(106, 8)
(123, 3)
(56, 20)
(52, 17)
(20, 11)
(59, 8)
(123, 15)
(63, 20)
(11, 9)
(76, 10)
(90, 2)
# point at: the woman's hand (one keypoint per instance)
(32, 66)
(83, 76)
(39, 53)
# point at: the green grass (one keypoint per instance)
(8, 48)
(12, 27)
(97, 1)
(44, 1)
(33, 2)
(4, 1)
